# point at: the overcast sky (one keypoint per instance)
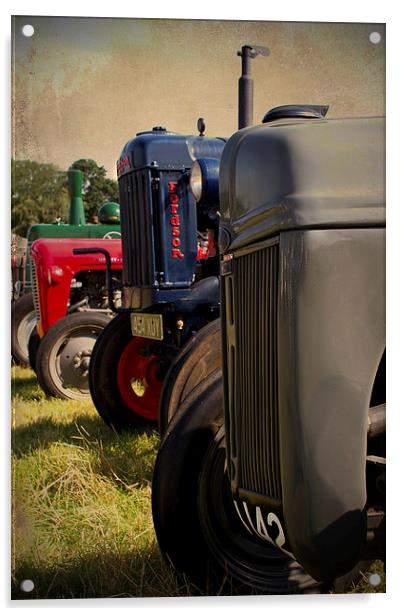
(84, 86)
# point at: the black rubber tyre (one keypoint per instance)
(195, 521)
(68, 341)
(23, 319)
(103, 383)
(33, 345)
(198, 358)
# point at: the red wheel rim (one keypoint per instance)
(137, 372)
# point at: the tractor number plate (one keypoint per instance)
(147, 325)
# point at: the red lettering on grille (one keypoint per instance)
(123, 165)
(174, 206)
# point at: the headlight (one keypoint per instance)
(204, 180)
(54, 274)
(196, 180)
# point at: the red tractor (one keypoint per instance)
(71, 297)
(22, 307)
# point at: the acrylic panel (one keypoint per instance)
(198, 320)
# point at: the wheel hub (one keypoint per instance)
(81, 361)
(74, 361)
(138, 386)
(139, 379)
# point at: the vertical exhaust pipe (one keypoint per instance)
(75, 182)
(246, 83)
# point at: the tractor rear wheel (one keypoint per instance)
(23, 319)
(63, 356)
(126, 376)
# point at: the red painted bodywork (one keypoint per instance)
(56, 266)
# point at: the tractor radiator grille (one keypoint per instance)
(137, 218)
(253, 406)
(27, 283)
(35, 294)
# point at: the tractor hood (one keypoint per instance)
(302, 173)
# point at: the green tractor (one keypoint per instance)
(22, 308)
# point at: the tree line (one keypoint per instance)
(39, 192)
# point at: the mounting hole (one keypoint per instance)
(27, 585)
(375, 38)
(28, 30)
(374, 579)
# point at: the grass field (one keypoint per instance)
(81, 494)
(82, 524)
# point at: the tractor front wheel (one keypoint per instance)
(126, 376)
(23, 319)
(63, 356)
(197, 526)
(33, 346)
(195, 361)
